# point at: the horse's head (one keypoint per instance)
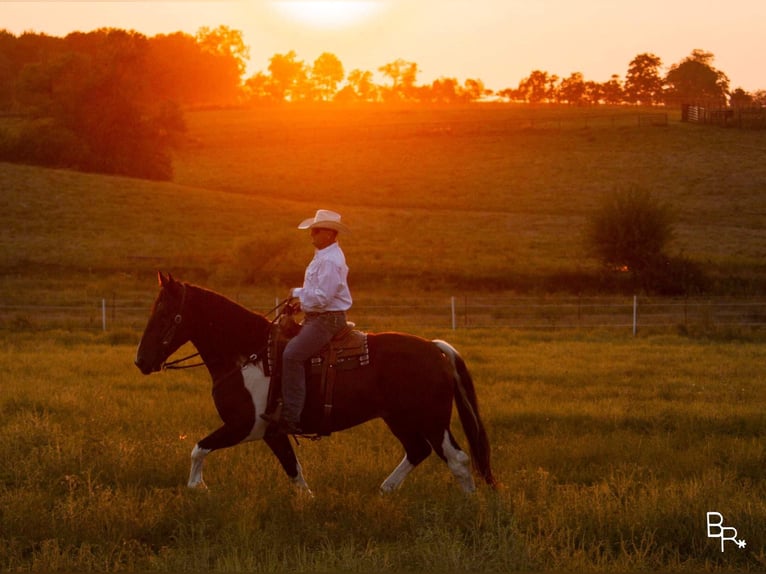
(167, 328)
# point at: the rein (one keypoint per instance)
(176, 365)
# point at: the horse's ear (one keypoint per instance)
(161, 279)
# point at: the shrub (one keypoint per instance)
(629, 233)
(630, 230)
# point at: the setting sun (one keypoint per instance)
(328, 14)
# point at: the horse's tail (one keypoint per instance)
(468, 411)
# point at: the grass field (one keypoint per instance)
(610, 449)
(610, 453)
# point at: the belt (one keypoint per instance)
(320, 313)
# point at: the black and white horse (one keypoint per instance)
(410, 382)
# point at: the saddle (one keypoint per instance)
(346, 351)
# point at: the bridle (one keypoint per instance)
(171, 330)
(170, 333)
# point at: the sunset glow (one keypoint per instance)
(499, 41)
(328, 13)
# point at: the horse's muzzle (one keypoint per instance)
(144, 367)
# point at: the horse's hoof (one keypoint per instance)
(198, 486)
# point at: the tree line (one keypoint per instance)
(112, 100)
(694, 81)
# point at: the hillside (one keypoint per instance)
(475, 199)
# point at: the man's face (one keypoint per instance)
(322, 238)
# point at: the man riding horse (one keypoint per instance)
(324, 300)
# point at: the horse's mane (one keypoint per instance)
(229, 319)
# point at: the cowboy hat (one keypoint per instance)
(324, 219)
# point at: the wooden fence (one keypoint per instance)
(751, 118)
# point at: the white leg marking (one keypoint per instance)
(197, 459)
(396, 478)
(459, 463)
(300, 484)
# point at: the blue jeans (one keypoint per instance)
(317, 331)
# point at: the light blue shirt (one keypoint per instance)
(325, 284)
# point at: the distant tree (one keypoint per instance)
(643, 82)
(538, 87)
(259, 88)
(473, 90)
(226, 42)
(403, 75)
(326, 73)
(445, 91)
(612, 91)
(363, 85)
(289, 77)
(759, 98)
(92, 107)
(695, 81)
(192, 71)
(572, 89)
(740, 99)
(510, 94)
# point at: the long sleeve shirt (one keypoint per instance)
(325, 285)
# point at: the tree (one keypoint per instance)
(537, 87)
(643, 82)
(289, 77)
(403, 76)
(227, 43)
(260, 87)
(94, 108)
(473, 89)
(740, 99)
(193, 71)
(612, 91)
(572, 89)
(695, 81)
(326, 73)
(445, 91)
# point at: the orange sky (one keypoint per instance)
(497, 41)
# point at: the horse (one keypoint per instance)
(410, 382)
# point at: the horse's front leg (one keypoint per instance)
(197, 459)
(281, 447)
(224, 437)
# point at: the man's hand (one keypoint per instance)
(293, 305)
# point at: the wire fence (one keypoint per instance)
(626, 314)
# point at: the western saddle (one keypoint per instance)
(346, 351)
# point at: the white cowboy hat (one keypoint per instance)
(324, 219)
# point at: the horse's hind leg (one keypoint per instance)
(416, 448)
(457, 461)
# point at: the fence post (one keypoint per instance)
(454, 316)
(635, 314)
(103, 315)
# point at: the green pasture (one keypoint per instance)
(468, 199)
(610, 452)
(610, 448)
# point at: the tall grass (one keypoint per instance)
(610, 451)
